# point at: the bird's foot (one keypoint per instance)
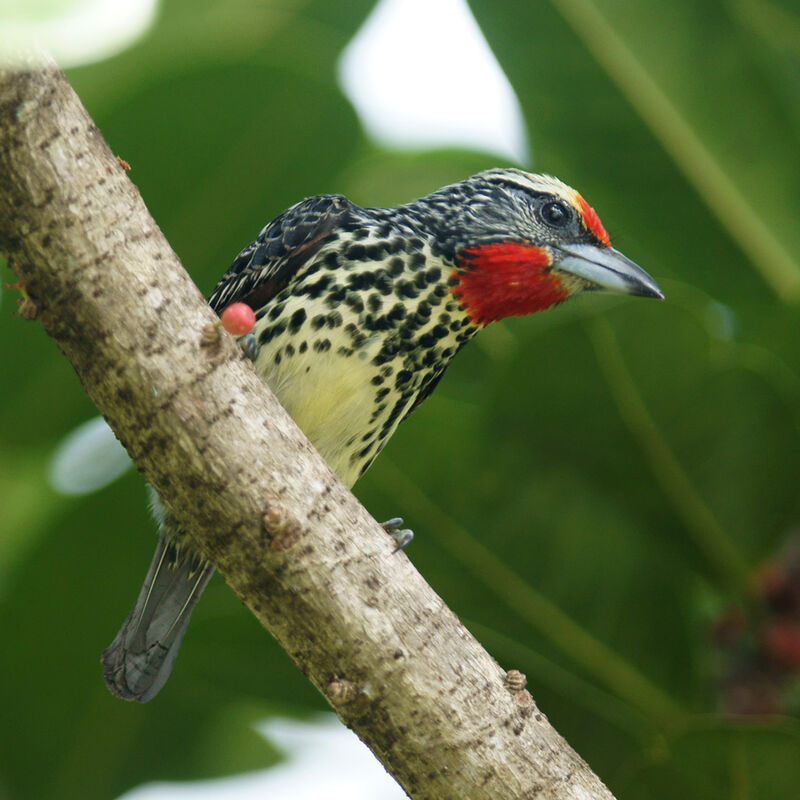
(402, 536)
(249, 346)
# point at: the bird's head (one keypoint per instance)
(523, 243)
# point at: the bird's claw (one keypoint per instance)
(249, 346)
(402, 536)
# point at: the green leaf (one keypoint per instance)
(619, 460)
(718, 761)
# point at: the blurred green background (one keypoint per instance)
(594, 489)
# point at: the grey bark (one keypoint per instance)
(317, 571)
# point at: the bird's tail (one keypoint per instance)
(138, 662)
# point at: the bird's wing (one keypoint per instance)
(280, 251)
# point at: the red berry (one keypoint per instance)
(238, 319)
(781, 640)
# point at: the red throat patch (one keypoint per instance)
(506, 279)
(592, 221)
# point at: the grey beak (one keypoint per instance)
(607, 270)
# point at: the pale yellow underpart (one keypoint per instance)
(327, 394)
(331, 396)
(324, 395)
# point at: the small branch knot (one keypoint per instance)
(283, 531)
(210, 337)
(274, 518)
(515, 680)
(27, 308)
(341, 691)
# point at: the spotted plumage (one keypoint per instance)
(367, 321)
(359, 312)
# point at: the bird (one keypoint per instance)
(359, 312)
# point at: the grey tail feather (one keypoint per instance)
(139, 660)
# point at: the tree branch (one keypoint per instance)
(293, 543)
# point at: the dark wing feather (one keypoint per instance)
(280, 251)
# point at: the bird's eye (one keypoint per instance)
(555, 214)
